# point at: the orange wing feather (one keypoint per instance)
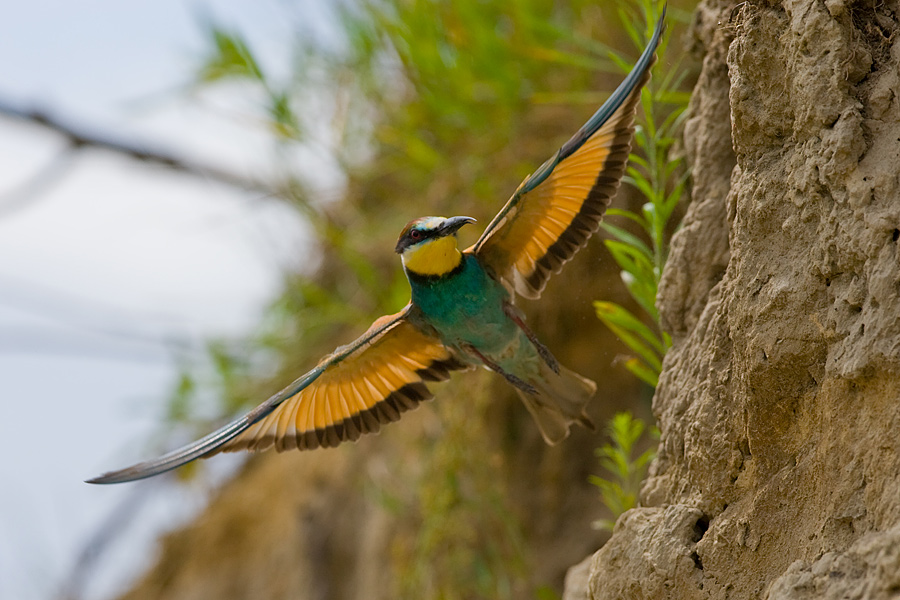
(555, 210)
(352, 391)
(362, 387)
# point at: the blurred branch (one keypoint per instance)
(29, 190)
(79, 138)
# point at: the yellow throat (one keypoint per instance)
(433, 257)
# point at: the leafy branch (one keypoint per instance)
(620, 489)
(662, 180)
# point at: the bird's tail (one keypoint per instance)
(560, 401)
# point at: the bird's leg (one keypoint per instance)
(525, 387)
(513, 313)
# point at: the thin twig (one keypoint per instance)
(79, 137)
(30, 190)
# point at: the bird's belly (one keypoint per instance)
(487, 329)
(468, 309)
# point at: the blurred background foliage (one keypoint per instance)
(433, 107)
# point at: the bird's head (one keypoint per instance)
(428, 245)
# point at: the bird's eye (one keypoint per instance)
(415, 234)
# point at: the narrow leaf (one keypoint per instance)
(628, 238)
(642, 372)
(632, 332)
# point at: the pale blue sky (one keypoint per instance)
(105, 265)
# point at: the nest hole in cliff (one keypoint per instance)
(700, 528)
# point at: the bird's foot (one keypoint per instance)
(515, 381)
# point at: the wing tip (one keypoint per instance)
(132, 473)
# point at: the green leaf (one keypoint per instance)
(620, 487)
(623, 64)
(638, 180)
(631, 259)
(645, 458)
(284, 121)
(676, 194)
(628, 238)
(667, 339)
(627, 21)
(675, 96)
(644, 291)
(632, 332)
(675, 118)
(181, 401)
(231, 58)
(654, 217)
(642, 372)
(625, 430)
(618, 212)
(638, 160)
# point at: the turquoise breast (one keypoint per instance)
(465, 306)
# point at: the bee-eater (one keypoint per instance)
(461, 313)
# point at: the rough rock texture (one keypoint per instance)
(576, 582)
(778, 473)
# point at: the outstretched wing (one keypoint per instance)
(352, 391)
(554, 211)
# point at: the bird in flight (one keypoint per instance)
(461, 312)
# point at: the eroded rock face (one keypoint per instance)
(870, 568)
(779, 467)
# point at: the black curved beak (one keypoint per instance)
(452, 225)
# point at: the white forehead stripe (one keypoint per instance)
(431, 222)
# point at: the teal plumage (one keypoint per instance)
(461, 311)
(471, 312)
(464, 307)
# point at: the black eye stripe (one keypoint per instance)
(418, 235)
(415, 236)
